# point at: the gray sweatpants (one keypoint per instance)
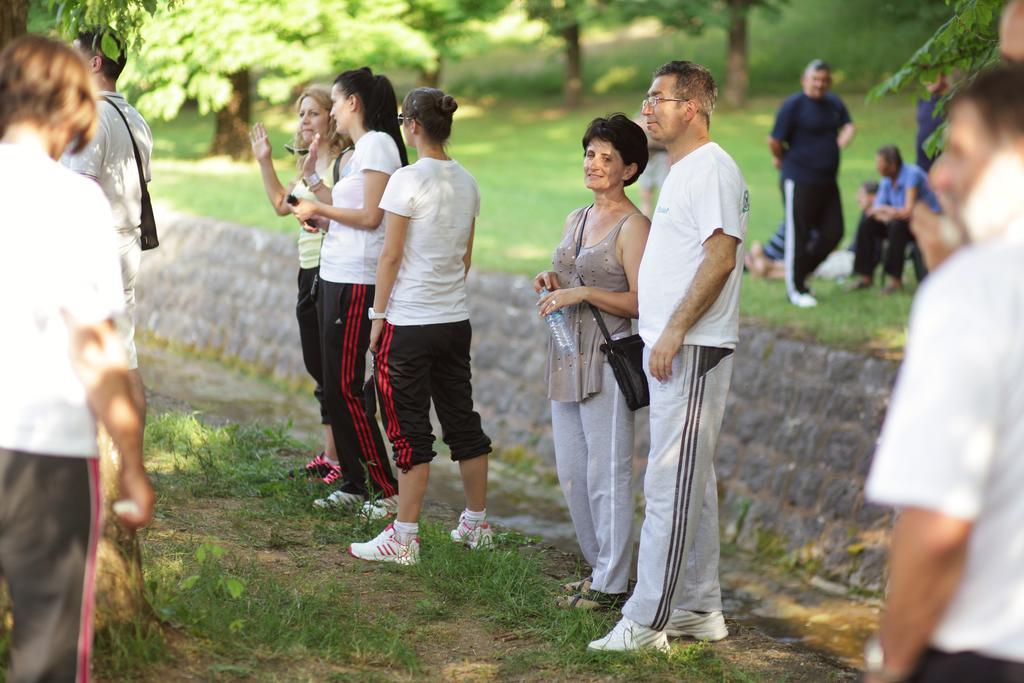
(677, 566)
(593, 455)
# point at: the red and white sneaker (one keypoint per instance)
(473, 534)
(333, 474)
(318, 466)
(387, 548)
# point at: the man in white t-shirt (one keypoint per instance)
(688, 288)
(950, 452)
(62, 367)
(109, 159)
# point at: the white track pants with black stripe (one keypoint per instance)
(678, 561)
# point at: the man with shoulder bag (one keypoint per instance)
(118, 159)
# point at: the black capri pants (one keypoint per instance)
(420, 364)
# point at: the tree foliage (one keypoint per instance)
(124, 17)
(967, 41)
(446, 24)
(191, 52)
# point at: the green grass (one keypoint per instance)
(241, 565)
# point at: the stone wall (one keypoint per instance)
(798, 434)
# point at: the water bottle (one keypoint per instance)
(565, 344)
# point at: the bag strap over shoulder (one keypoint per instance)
(581, 225)
(135, 148)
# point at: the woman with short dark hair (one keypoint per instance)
(597, 263)
(421, 331)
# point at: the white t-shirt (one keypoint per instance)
(42, 403)
(110, 159)
(441, 200)
(704, 192)
(349, 255)
(953, 440)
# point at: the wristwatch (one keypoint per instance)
(313, 179)
(874, 663)
(374, 315)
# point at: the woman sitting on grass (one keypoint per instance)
(421, 331)
(364, 109)
(596, 263)
(320, 146)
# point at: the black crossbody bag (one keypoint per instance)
(625, 355)
(148, 239)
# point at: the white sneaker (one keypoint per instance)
(478, 535)
(802, 300)
(628, 636)
(709, 626)
(338, 499)
(387, 548)
(380, 509)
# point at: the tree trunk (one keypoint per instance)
(736, 77)
(120, 589)
(13, 20)
(573, 88)
(431, 78)
(232, 134)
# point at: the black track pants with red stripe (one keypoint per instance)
(345, 332)
(49, 529)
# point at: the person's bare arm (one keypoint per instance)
(846, 135)
(98, 358)
(388, 263)
(367, 218)
(777, 150)
(902, 213)
(261, 149)
(548, 279)
(467, 258)
(926, 563)
(630, 245)
(320, 190)
(712, 274)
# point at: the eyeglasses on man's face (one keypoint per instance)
(654, 100)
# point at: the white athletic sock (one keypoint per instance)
(406, 531)
(474, 518)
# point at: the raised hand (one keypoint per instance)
(260, 142)
(309, 165)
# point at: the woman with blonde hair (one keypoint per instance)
(317, 140)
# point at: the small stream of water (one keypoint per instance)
(766, 598)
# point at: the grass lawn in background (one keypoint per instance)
(526, 156)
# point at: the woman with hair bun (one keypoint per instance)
(421, 332)
(316, 137)
(366, 110)
(597, 262)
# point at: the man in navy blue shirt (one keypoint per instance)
(810, 129)
(928, 120)
(902, 186)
